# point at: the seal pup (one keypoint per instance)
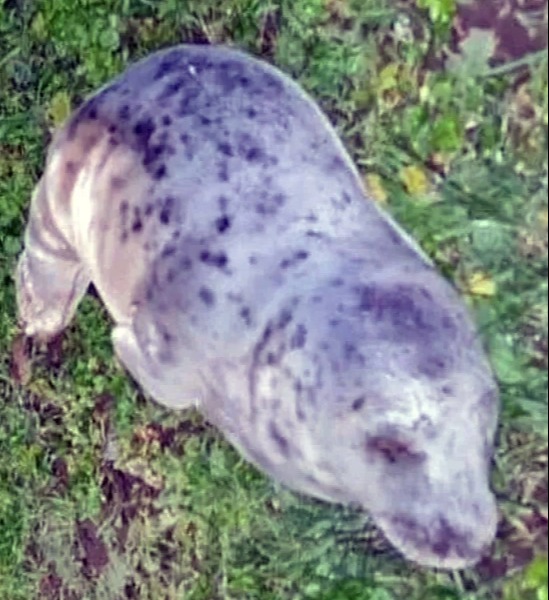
(247, 273)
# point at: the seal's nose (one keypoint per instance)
(452, 546)
(439, 543)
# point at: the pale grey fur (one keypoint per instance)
(247, 272)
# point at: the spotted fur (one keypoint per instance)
(247, 272)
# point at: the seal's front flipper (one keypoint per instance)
(50, 278)
(147, 357)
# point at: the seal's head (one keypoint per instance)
(396, 411)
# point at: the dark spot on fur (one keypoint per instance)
(400, 309)
(349, 351)
(229, 75)
(124, 112)
(152, 154)
(341, 202)
(70, 167)
(160, 173)
(337, 163)
(170, 63)
(166, 120)
(143, 130)
(223, 172)
(358, 403)
(219, 260)
(205, 120)
(273, 83)
(187, 104)
(299, 337)
(149, 209)
(118, 183)
(297, 257)
(245, 314)
(284, 318)
(271, 358)
(251, 113)
(207, 296)
(223, 202)
(225, 148)
(222, 224)
(168, 251)
(253, 154)
(281, 442)
(137, 223)
(235, 298)
(270, 203)
(165, 213)
(185, 263)
(448, 323)
(259, 347)
(171, 88)
(433, 367)
(112, 129)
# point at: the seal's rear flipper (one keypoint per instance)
(50, 278)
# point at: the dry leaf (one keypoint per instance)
(375, 187)
(60, 108)
(481, 284)
(415, 180)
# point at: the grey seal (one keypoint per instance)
(247, 273)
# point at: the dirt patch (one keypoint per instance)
(26, 350)
(91, 550)
(270, 27)
(51, 587)
(20, 360)
(522, 536)
(519, 27)
(126, 497)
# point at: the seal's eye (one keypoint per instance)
(393, 450)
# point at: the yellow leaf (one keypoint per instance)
(543, 217)
(415, 180)
(375, 187)
(60, 108)
(388, 77)
(481, 284)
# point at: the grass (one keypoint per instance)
(104, 495)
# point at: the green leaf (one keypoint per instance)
(441, 12)
(447, 133)
(537, 573)
(507, 365)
